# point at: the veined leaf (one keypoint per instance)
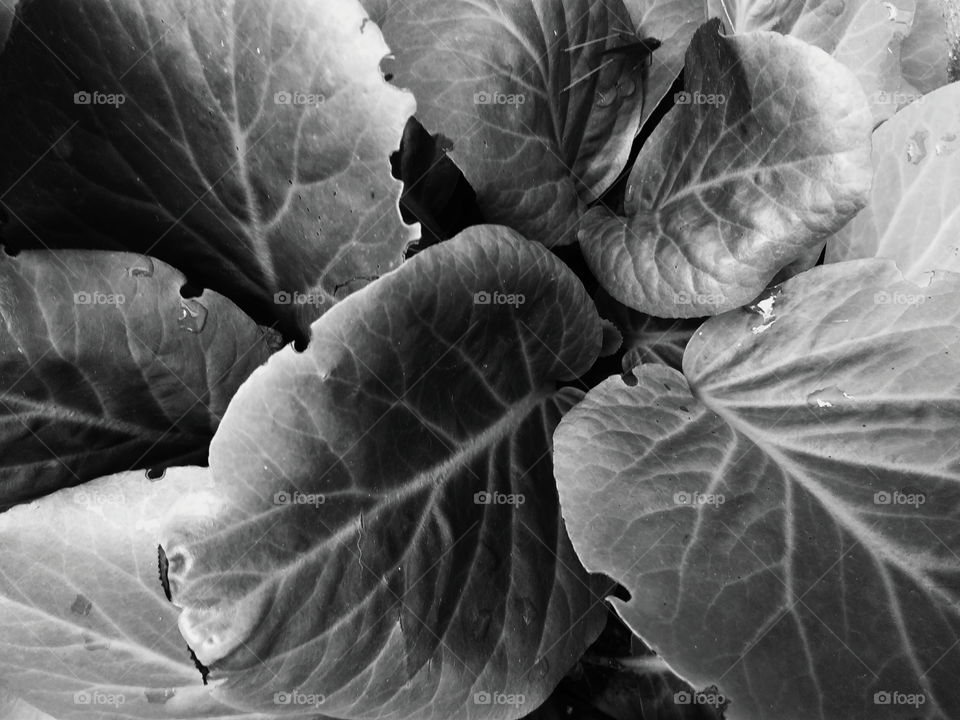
(246, 143)
(384, 528)
(784, 514)
(104, 367)
(767, 154)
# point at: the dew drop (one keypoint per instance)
(540, 670)
(92, 645)
(626, 88)
(193, 316)
(917, 147)
(835, 7)
(606, 99)
(829, 397)
(893, 12)
(143, 267)
(527, 611)
(81, 606)
(159, 696)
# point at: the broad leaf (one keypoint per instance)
(13, 708)
(864, 35)
(769, 156)
(246, 143)
(104, 367)
(539, 118)
(914, 212)
(672, 23)
(784, 514)
(925, 55)
(85, 630)
(384, 529)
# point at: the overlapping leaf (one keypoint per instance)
(385, 529)
(104, 367)
(768, 153)
(784, 514)
(85, 630)
(926, 52)
(914, 212)
(246, 143)
(540, 119)
(865, 36)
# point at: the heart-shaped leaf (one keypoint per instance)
(85, 630)
(767, 153)
(865, 35)
(914, 212)
(785, 516)
(104, 367)
(385, 529)
(246, 143)
(539, 113)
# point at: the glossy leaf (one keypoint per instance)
(104, 367)
(384, 528)
(769, 156)
(539, 119)
(246, 143)
(864, 35)
(914, 212)
(784, 513)
(85, 630)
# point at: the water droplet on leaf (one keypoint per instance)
(917, 147)
(81, 606)
(527, 611)
(193, 315)
(829, 397)
(143, 267)
(606, 99)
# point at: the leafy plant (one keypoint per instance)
(459, 359)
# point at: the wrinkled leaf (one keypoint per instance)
(85, 630)
(864, 35)
(385, 529)
(785, 516)
(914, 212)
(673, 23)
(104, 367)
(770, 155)
(540, 120)
(926, 52)
(246, 143)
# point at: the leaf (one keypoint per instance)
(925, 54)
(770, 156)
(914, 212)
(104, 367)
(7, 10)
(85, 630)
(245, 143)
(673, 23)
(647, 339)
(540, 120)
(864, 35)
(13, 708)
(785, 515)
(350, 549)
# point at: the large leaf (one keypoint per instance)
(385, 529)
(540, 120)
(104, 367)
(865, 35)
(246, 143)
(926, 52)
(785, 516)
(770, 156)
(85, 630)
(914, 212)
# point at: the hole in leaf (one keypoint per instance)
(629, 379)
(191, 290)
(156, 473)
(163, 566)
